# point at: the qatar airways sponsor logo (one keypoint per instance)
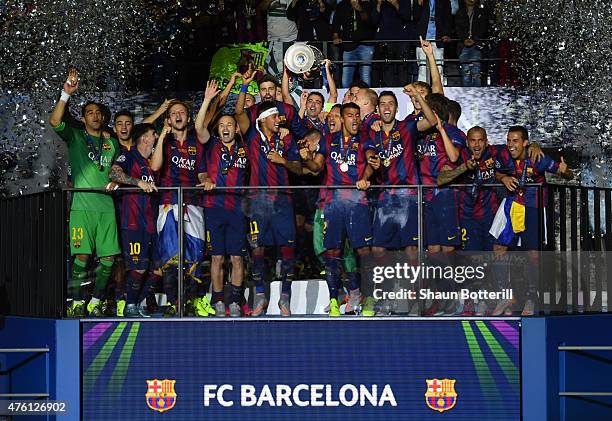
(340, 158)
(147, 178)
(239, 163)
(104, 160)
(266, 150)
(302, 395)
(428, 149)
(396, 151)
(184, 163)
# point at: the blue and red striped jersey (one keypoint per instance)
(138, 209)
(309, 124)
(479, 202)
(289, 118)
(126, 149)
(415, 117)
(366, 124)
(350, 154)
(263, 171)
(526, 171)
(398, 149)
(456, 135)
(183, 161)
(433, 157)
(227, 167)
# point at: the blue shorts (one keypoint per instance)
(531, 238)
(347, 220)
(396, 221)
(442, 220)
(226, 230)
(271, 222)
(139, 249)
(305, 203)
(475, 234)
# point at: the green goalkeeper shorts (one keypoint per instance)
(90, 230)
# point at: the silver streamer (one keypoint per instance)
(39, 42)
(565, 65)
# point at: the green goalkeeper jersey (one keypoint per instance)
(91, 159)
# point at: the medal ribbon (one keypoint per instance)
(478, 180)
(97, 152)
(348, 148)
(267, 142)
(523, 177)
(232, 159)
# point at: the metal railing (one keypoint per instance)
(34, 262)
(332, 51)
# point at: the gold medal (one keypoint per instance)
(387, 162)
(344, 167)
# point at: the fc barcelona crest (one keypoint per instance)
(191, 150)
(440, 395)
(160, 395)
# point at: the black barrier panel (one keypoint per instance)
(32, 255)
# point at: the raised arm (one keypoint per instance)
(436, 80)
(564, 170)
(157, 159)
(200, 123)
(70, 87)
(222, 100)
(333, 90)
(241, 116)
(451, 150)
(159, 112)
(430, 117)
(303, 98)
(287, 98)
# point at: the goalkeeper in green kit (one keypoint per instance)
(92, 227)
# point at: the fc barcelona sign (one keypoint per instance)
(441, 395)
(161, 395)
